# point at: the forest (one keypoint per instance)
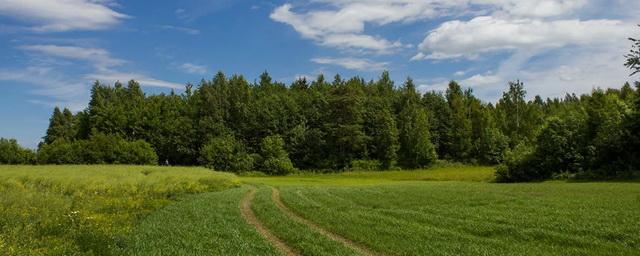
(230, 124)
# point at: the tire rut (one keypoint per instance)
(275, 196)
(250, 217)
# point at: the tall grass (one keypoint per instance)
(70, 210)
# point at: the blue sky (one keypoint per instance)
(52, 50)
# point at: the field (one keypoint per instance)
(458, 210)
(64, 210)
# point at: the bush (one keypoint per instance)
(519, 165)
(12, 153)
(365, 165)
(59, 152)
(224, 153)
(275, 159)
(138, 152)
(492, 147)
(98, 149)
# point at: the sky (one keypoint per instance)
(51, 51)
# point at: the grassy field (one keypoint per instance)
(456, 218)
(127, 210)
(66, 210)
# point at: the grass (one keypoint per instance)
(450, 173)
(299, 236)
(70, 210)
(465, 218)
(203, 224)
(446, 210)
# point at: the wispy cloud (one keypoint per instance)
(112, 77)
(193, 68)
(62, 15)
(100, 58)
(190, 31)
(71, 90)
(57, 88)
(352, 63)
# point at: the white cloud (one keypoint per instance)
(355, 41)
(72, 90)
(185, 30)
(350, 18)
(59, 90)
(352, 63)
(193, 68)
(101, 58)
(112, 77)
(344, 28)
(455, 39)
(577, 70)
(62, 15)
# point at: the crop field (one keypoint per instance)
(129, 210)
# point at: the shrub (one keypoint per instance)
(224, 153)
(275, 159)
(365, 165)
(98, 149)
(12, 153)
(519, 165)
(138, 152)
(58, 152)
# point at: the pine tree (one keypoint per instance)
(460, 144)
(416, 149)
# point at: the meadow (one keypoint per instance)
(70, 210)
(448, 210)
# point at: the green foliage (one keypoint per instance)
(459, 143)
(275, 159)
(12, 153)
(224, 153)
(633, 57)
(98, 149)
(416, 149)
(491, 146)
(222, 123)
(366, 165)
(62, 125)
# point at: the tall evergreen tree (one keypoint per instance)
(416, 149)
(459, 146)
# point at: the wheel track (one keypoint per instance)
(250, 217)
(275, 196)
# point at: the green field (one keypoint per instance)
(134, 210)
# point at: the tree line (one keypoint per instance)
(230, 124)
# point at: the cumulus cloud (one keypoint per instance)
(344, 26)
(352, 63)
(577, 70)
(455, 39)
(348, 19)
(62, 15)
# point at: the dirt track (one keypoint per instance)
(275, 196)
(247, 213)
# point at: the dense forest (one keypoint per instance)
(230, 124)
